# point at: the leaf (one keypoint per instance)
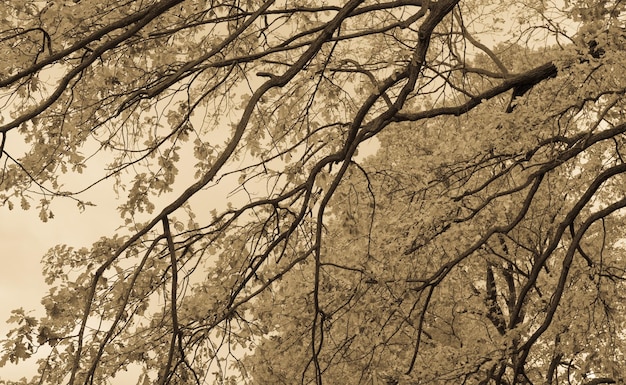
(25, 204)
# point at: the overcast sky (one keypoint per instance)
(25, 239)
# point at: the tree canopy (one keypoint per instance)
(481, 243)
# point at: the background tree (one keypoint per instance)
(481, 244)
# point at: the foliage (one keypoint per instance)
(481, 244)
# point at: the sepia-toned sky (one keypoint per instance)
(25, 239)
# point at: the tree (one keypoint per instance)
(481, 244)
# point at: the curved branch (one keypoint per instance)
(535, 75)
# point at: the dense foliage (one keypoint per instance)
(481, 244)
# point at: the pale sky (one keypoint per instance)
(26, 239)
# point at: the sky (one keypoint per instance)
(26, 239)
